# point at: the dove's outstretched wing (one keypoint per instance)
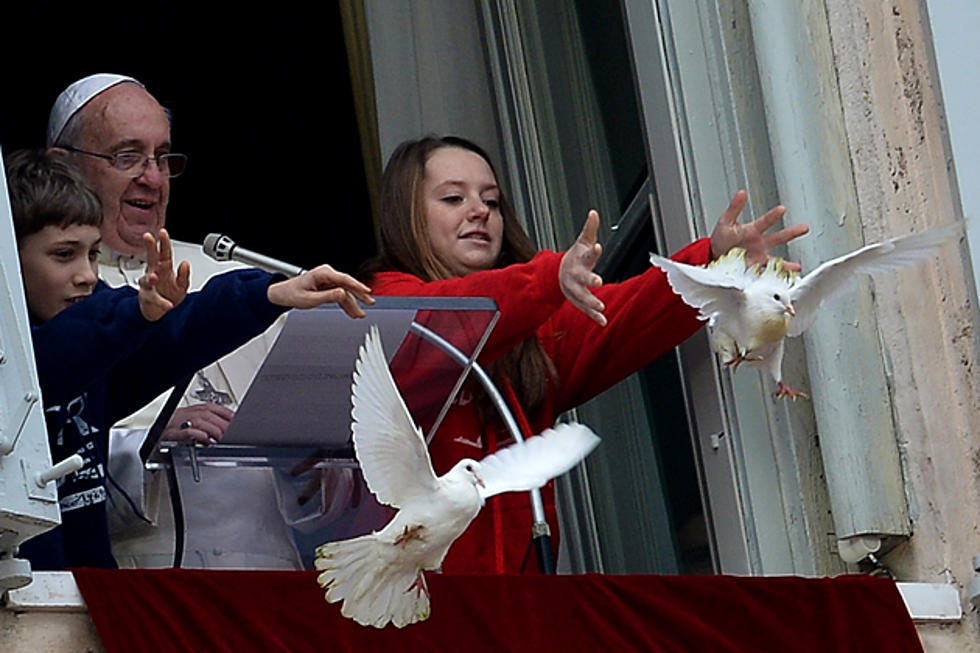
(712, 291)
(529, 465)
(835, 276)
(388, 444)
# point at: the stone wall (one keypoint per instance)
(901, 162)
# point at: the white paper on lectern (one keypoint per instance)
(301, 394)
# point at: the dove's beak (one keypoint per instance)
(791, 310)
(479, 481)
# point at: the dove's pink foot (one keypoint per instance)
(734, 362)
(739, 358)
(786, 391)
(409, 534)
(420, 586)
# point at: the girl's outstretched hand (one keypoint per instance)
(752, 236)
(575, 274)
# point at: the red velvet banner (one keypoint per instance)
(240, 611)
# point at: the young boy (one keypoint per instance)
(101, 353)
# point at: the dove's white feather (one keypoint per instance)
(393, 456)
(713, 291)
(379, 576)
(772, 360)
(836, 276)
(360, 572)
(522, 467)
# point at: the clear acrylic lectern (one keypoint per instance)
(295, 418)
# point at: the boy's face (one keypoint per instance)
(60, 267)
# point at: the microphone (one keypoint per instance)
(222, 248)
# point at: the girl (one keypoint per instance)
(447, 230)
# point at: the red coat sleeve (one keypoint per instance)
(646, 320)
(527, 294)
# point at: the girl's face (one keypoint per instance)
(461, 206)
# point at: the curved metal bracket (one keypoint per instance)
(540, 530)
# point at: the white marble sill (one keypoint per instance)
(51, 591)
(932, 602)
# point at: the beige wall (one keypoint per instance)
(928, 316)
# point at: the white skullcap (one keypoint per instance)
(76, 96)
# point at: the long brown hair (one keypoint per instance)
(404, 246)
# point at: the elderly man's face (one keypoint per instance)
(125, 118)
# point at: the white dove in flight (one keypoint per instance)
(379, 576)
(751, 310)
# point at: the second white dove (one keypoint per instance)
(750, 311)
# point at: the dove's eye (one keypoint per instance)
(777, 297)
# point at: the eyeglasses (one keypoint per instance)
(169, 164)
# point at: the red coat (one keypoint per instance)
(646, 320)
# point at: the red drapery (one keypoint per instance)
(240, 611)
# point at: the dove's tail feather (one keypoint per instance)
(374, 593)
